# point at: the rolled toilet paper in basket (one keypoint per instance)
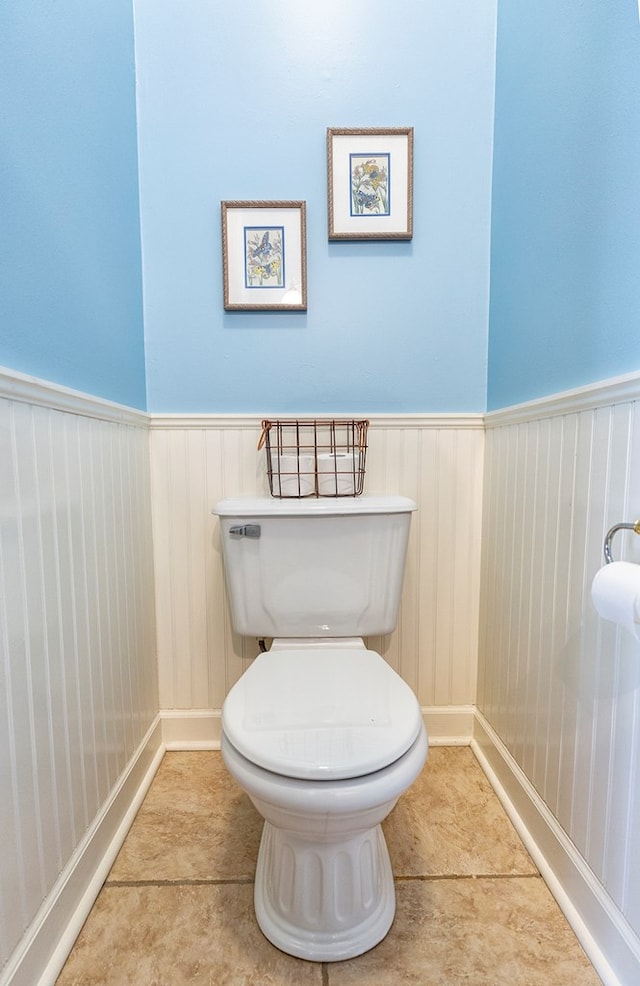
(293, 475)
(337, 473)
(616, 595)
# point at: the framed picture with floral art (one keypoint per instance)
(370, 183)
(264, 256)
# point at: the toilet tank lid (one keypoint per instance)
(308, 506)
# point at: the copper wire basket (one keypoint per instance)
(315, 457)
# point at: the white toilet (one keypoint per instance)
(321, 733)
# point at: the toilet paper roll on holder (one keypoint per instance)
(635, 527)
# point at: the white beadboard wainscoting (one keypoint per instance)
(78, 700)
(558, 687)
(435, 459)
(503, 647)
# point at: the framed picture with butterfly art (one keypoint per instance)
(370, 183)
(264, 256)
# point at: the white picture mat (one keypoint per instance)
(397, 145)
(292, 291)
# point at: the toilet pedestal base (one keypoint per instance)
(324, 887)
(324, 899)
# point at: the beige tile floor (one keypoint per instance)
(471, 907)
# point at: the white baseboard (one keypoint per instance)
(610, 943)
(449, 725)
(191, 729)
(47, 942)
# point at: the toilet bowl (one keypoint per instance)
(322, 734)
(323, 741)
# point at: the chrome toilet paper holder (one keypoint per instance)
(635, 527)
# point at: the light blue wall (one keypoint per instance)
(70, 267)
(234, 101)
(565, 260)
(235, 104)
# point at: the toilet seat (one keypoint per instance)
(321, 714)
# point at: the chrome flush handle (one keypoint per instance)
(245, 531)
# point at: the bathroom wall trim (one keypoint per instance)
(610, 943)
(33, 390)
(16, 386)
(199, 729)
(47, 942)
(615, 390)
(191, 729)
(179, 422)
(449, 725)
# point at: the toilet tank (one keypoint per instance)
(326, 567)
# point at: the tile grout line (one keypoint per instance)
(465, 876)
(248, 881)
(232, 882)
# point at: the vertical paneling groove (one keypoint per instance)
(572, 532)
(520, 540)
(78, 690)
(624, 763)
(28, 687)
(429, 506)
(13, 725)
(176, 575)
(631, 783)
(507, 512)
(573, 679)
(77, 743)
(216, 643)
(435, 644)
(62, 723)
(599, 720)
(561, 575)
(487, 586)
(85, 766)
(163, 584)
(445, 540)
(102, 604)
